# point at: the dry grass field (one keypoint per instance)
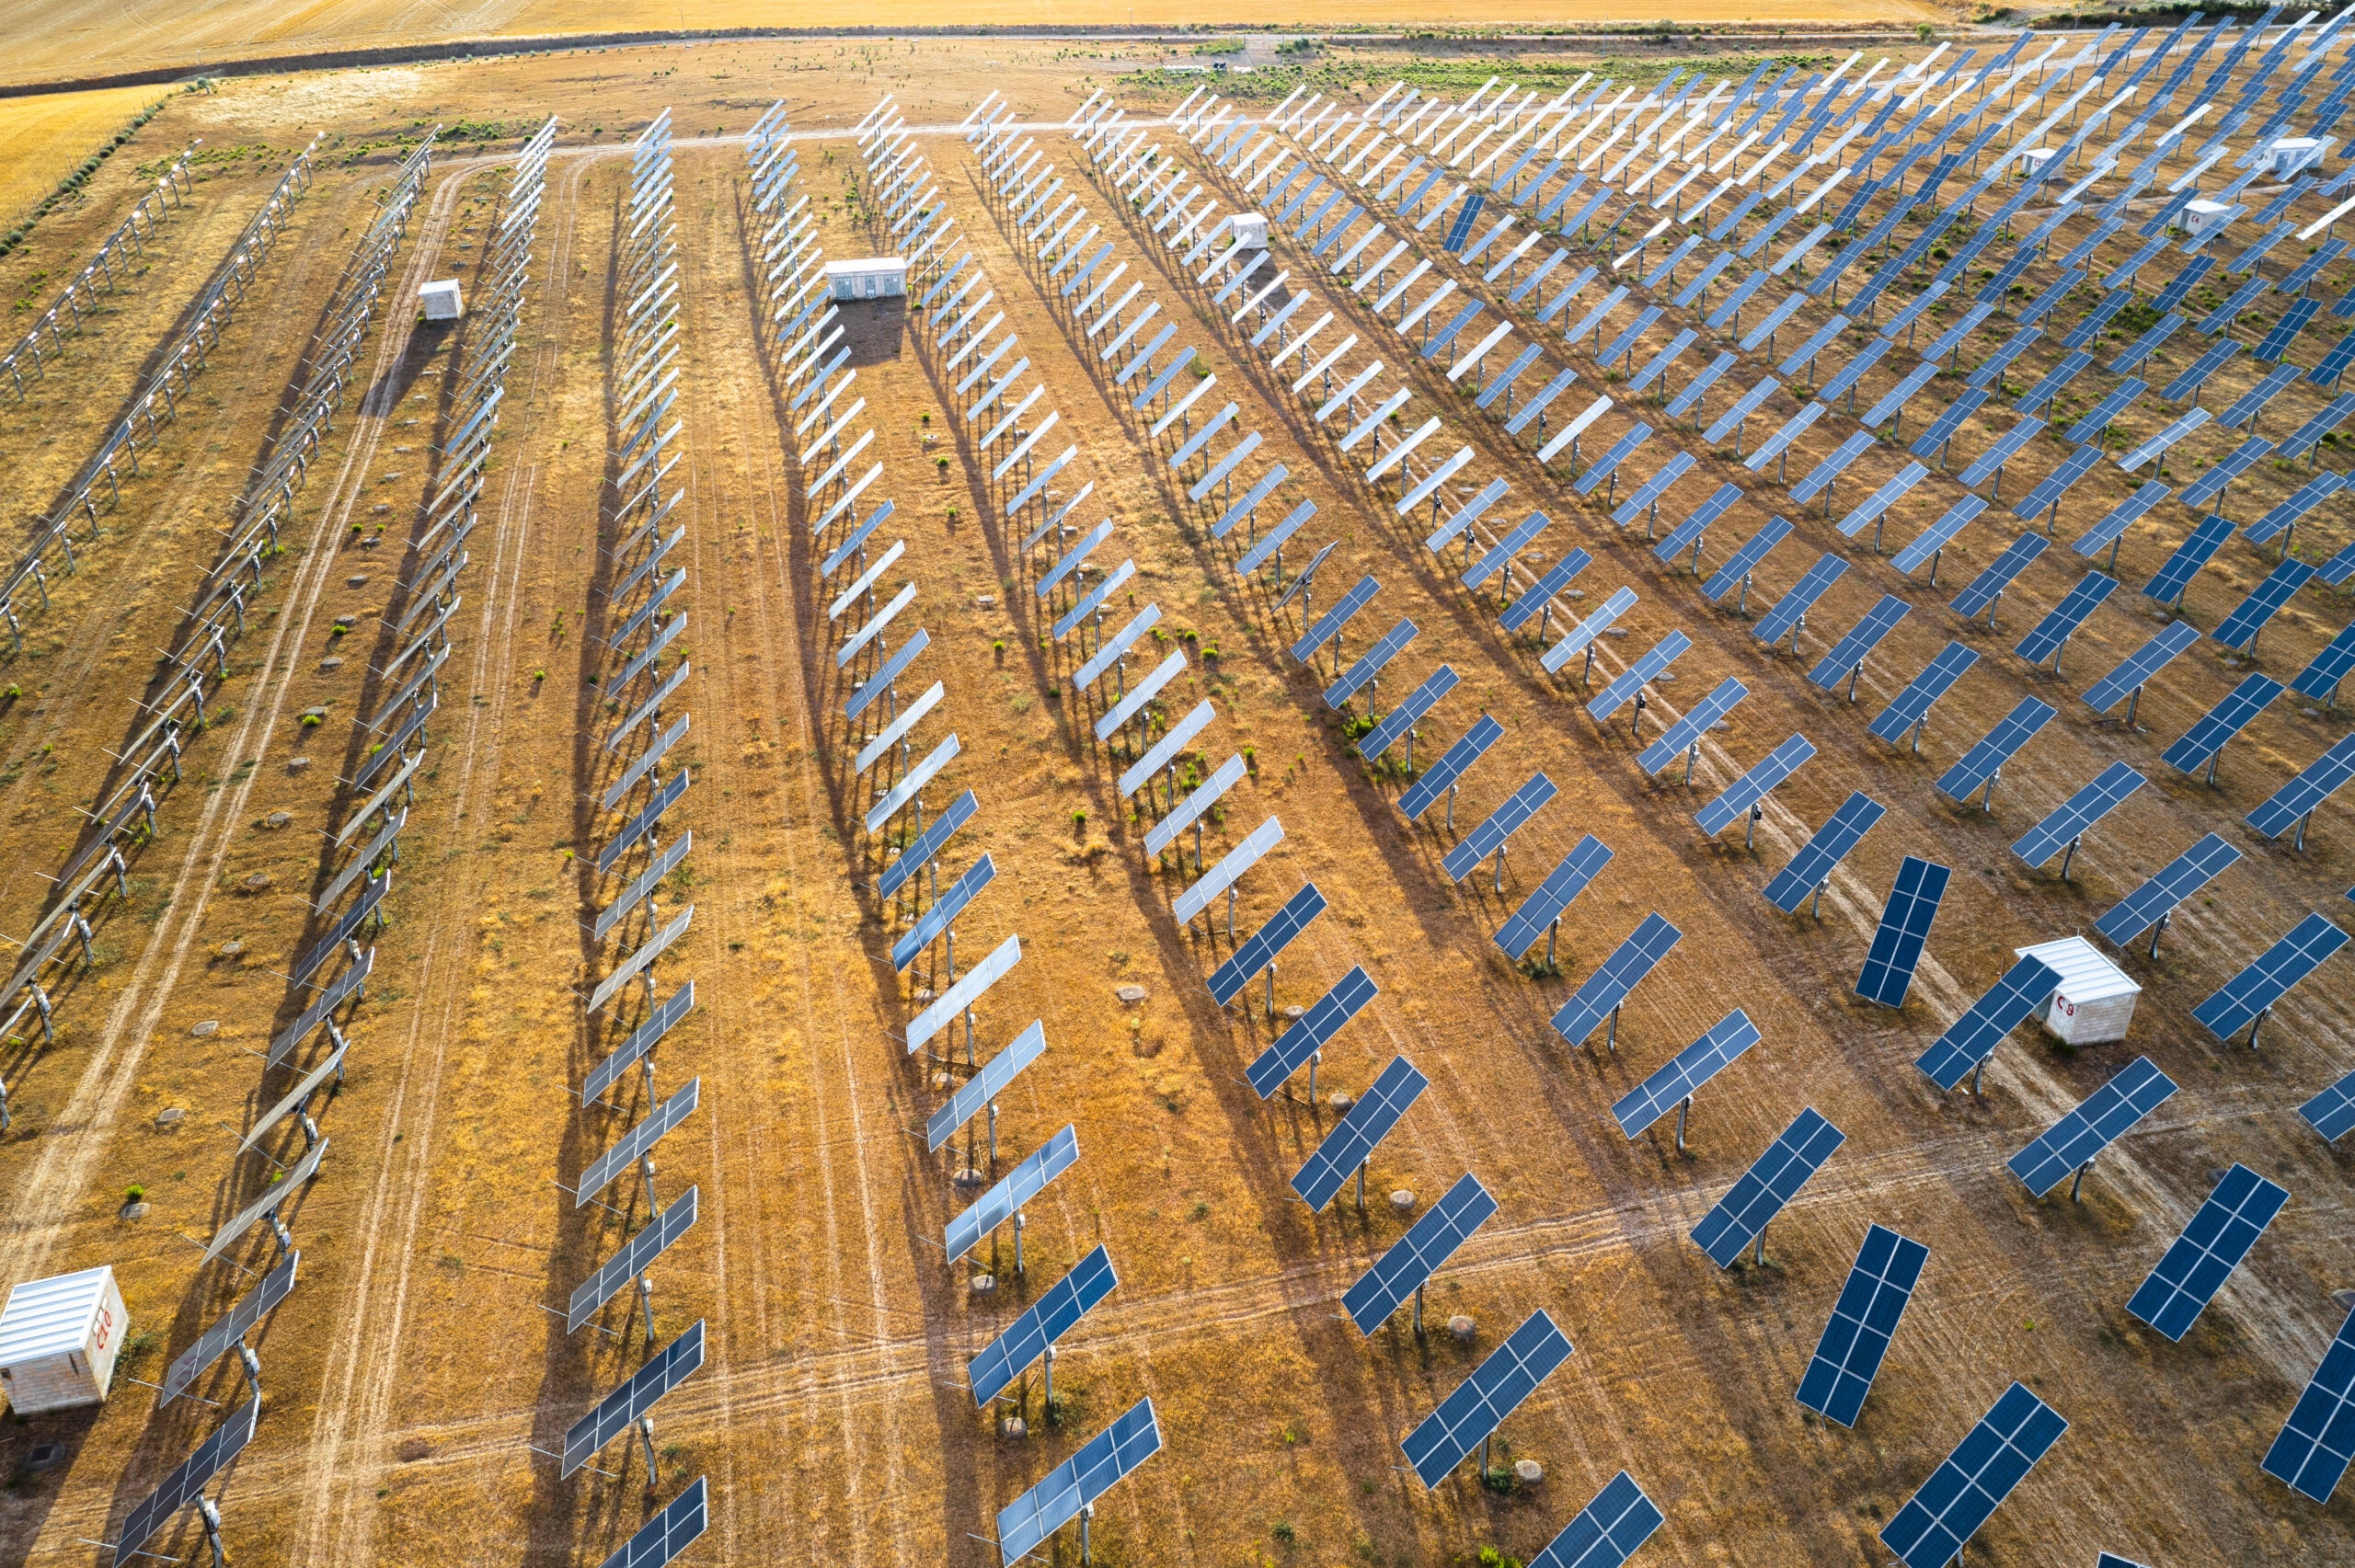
(41, 139)
(417, 1365)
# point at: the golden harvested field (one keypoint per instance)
(423, 1359)
(76, 39)
(41, 139)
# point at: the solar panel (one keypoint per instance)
(2074, 817)
(1746, 558)
(2289, 805)
(1363, 1125)
(1655, 367)
(2311, 1453)
(2240, 629)
(1897, 487)
(926, 845)
(984, 1086)
(1222, 876)
(1312, 1033)
(1970, 1040)
(2054, 382)
(2194, 553)
(1685, 1073)
(1019, 1186)
(1430, 1242)
(1911, 706)
(1608, 463)
(229, 1329)
(944, 1010)
(1844, 381)
(1763, 1191)
(1963, 1493)
(668, 1533)
(1814, 863)
(1445, 773)
(2301, 501)
(2006, 447)
(2142, 348)
(1648, 493)
(1816, 343)
(2062, 620)
(1480, 1403)
(2048, 490)
(1852, 650)
(2285, 331)
(1743, 407)
(2098, 418)
(1904, 927)
(1557, 578)
(2333, 364)
(1562, 885)
(1818, 479)
(1933, 438)
(1490, 835)
(1054, 1314)
(1617, 975)
(2321, 678)
(1329, 625)
(2253, 992)
(1753, 786)
(2070, 1144)
(1687, 731)
(2202, 743)
(1516, 539)
(945, 909)
(1983, 590)
(2197, 1264)
(619, 1411)
(1636, 675)
(2231, 466)
(1864, 1320)
(190, 1478)
(636, 1142)
(2332, 1112)
(1607, 1532)
(1100, 1463)
(2250, 404)
(2139, 667)
(1775, 445)
(1370, 663)
(1262, 946)
(1687, 534)
(637, 1255)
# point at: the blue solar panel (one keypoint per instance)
(2221, 723)
(1335, 618)
(2256, 988)
(945, 909)
(1913, 704)
(1814, 863)
(1370, 663)
(2332, 1112)
(1791, 429)
(1608, 463)
(1970, 1040)
(1482, 1400)
(2071, 820)
(1743, 407)
(1818, 479)
(1502, 823)
(2137, 669)
(1430, 1242)
(2210, 1247)
(2293, 801)
(2063, 619)
(1625, 340)
(1762, 1192)
(1687, 731)
(1938, 535)
(1893, 491)
(1863, 1321)
(2194, 553)
(2285, 331)
(1514, 542)
(927, 844)
(1816, 343)
(1659, 363)
(1054, 1314)
(2138, 1089)
(985, 1085)
(1642, 673)
(2311, 1454)
(1607, 1532)
(2297, 505)
(2142, 348)
(1904, 927)
(2121, 517)
(1853, 648)
(1615, 977)
(1968, 1486)
(1685, 1073)
(1981, 592)
(1408, 713)
(1022, 1183)
(2054, 382)
(1894, 400)
(1312, 1033)
(2098, 418)
(2207, 365)
(1752, 786)
(1362, 1127)
(2048, 490)
(1745, 559)
(1990, 371)
(1649, 492)
(2229, 468)
(1845, 378)
(1262, 946)
(1687, 534)
(2250, 404)
(2181, 877)
(2330, 666)
(1698, 387)
(2334, 364)
(1024, 1525)
(1564, 883)
(1467, 749)
(2248, 618)
(2006, 447)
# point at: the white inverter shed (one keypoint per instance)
(58, 1340)
(440, 300)
(2094, 1003)
(870, 278)
(1251, 229)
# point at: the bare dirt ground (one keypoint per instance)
(415, 1367)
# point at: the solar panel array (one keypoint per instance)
(1494, 1390)
(2199, 1262)
(1685, 1072)
(1430, 1242)
(1904, 928)
(1741, 1217)
(2310, 1454)
(1964, 1492)
(2134, 1092)
(1864, 1320)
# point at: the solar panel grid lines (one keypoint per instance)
(1490, 836)
(1608, 988)
(1813, 866)
(1363, 1125)
(1968, 1486)
(1646, 669)
(1848, 655)
(635, 1142)
(1100, 1463)
(2247, 997)
(229, 1329)
(1219, 878)
(1370, 664)
(2240, 629)
(187, 1479)
(1904, 928)
(927, 845)
(2290, 806)
(1607, 1532)
(1430, 1242)
(680, 1524)
(2071, 1144)
(1970, 1040)
(976, 1093)
(1448, 770)
(1746, 559)
(1684, 1074)
(1863, 1321)
(2045, 639)
(1480, 1404)
(1745, 792)
(2332, 1112)
(1336, 617)
(1686, 732)
(1911, 707)
(1055, 1313)
(637, 1255)
(1940, 432)
(1016, 1188)
(1312, 1032)
(2137, 669)
(639, 1393)
(1739, 1220)
(2197, 1264)
(1820, 478)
